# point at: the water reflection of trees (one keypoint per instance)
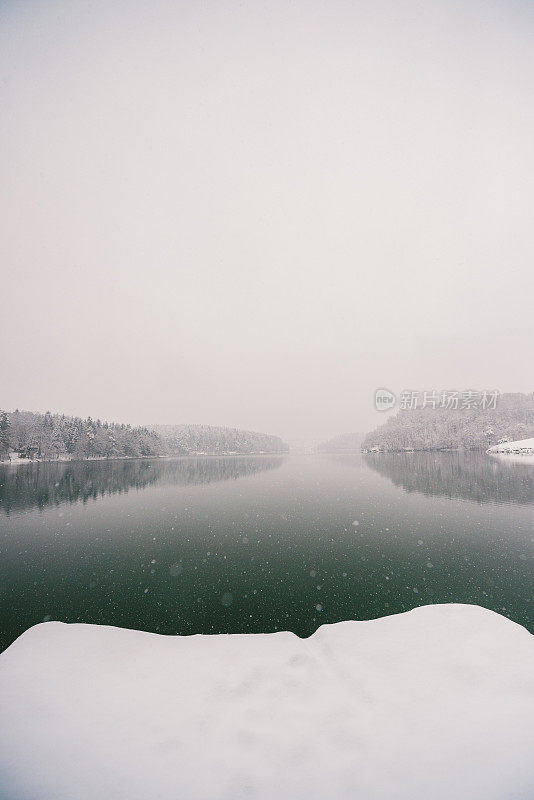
(467, 475)
(51, 483)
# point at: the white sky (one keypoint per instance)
(254, 214)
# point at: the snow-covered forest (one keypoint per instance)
(48, 437)
(52, 436)
(455, 428)
(210, 439)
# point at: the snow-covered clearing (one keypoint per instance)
(520, 446)
(435, 703)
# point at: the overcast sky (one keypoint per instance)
(255, 213)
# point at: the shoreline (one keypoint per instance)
(17, 462)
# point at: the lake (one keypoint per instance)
(263, 543)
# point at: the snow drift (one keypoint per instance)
(434, 703)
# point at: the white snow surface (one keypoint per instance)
(435, 703)
(520, 446)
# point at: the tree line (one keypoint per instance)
(212, 439)
(452, 429)
(24, 434)
(53, 436)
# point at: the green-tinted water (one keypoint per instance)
(250, 544)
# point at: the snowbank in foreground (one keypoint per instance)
(436, 703)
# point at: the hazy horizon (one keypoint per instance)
(255, 215)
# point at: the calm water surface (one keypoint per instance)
(255, 544)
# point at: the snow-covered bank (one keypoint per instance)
(15, 461)
(435, 703)
(521, 446)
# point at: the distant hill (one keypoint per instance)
(452, 429)
(344, 443)
(212, 440)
